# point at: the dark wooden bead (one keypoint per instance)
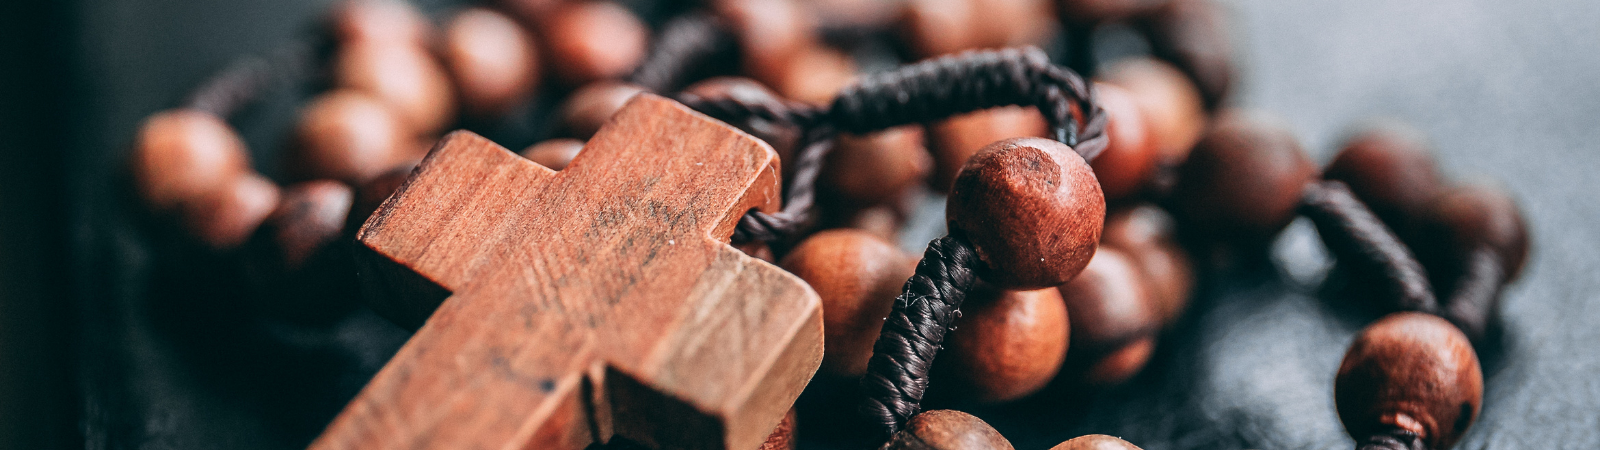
(771, 33)
(883, 221)
(1173, 108)
(592, 105)
(594, 40)
(878, 168)
(310, 216)
(783, 436)
(758, 250)
(1129, 160)
(404, 76)
(553, 153)
(529, 11)
(857, 276)
(1095, 442)
(1145, 234)
(783, 139)
(369, 195)
(380, 21)
(225, 218)
(944, 429)
(183, 155)
(1468, 217)
(493, 59)
(1013, 23)
(1120, 364)
(936, 27)
(1006, 345)
(1031, 208)
(1391, 169)
(347, 135)
(1193, 34)
(814, 75)
(1108, 303)
(956, 139)
(303, 270)
(1412, 373)
(1243, 181)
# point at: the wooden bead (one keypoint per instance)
(944, 429)
(1409, 372)
(1098, 11)
(1172, 106)
(937, 27)
(1095, 442)
(594, 40)
(391, 21)
(183, 155)
(493, 60)
(402, 75)
(758, 250)
(1471, 216)
(349, 136)
(304, 272)
(956, 139)
(883, 221)
(783, 139)
(592, 105)
(1013, 23)
(1244, 179)
(529, 11)
(1390, 169)
(783, 436)
(310, 216)
(857, 276)
(878, 168)
(815, 75)
(225, 218)
(1129, 160)
(1145, 234)
(369, 195)
(1108, 303)
(1194, 35)
(1006, 345)
(1122, 364)
(1032, 210)
(771, 33)
(553, 153)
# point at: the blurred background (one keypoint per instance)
(1508, 90)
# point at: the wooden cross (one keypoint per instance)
(597, 301)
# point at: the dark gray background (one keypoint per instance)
(1507, 90)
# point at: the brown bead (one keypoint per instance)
(782, 437)
(225, 218)
(883, 221)
(493, 60)
(1244, 180)
(782, 138)
(402, 75)
(1097, 11)
(815, 75)
(1129, 159)
(305, 272)
(529, 11)
(373, 193)
(878, 168)
(553, 153)
(594, 40)
(1391, 169)
(183, 155)
(1012, 23)
(1193, 34)
(758, 250)
(770, 32)
(1144, 233)
(944, 429)
(857, 276)
(1472, 216)
(1095, 442)
(1173, 108)
(391, 21)
(1120, 365)
(1032, 210)
(1108, 303)
(956, 139)
(349, 136)
(310, 216)
(937, 27)
(1006, 345)
(1410, 372)
(592, 105)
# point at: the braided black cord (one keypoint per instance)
(897, 374)
(685, 43)
(244, 81)
(1398, 440)
(1356, 237)
(814, 144)
(1472, 301)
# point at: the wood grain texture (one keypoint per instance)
(601, 299)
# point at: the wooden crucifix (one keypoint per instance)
(597, 301)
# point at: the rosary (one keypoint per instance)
(582, 291)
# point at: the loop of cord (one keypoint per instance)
(684, 43)
(1355, 236)
(1473, 299)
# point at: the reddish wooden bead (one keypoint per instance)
(782, 437)
(1108, 303)
(183, 155)
(815, 75)
(404, 76)
(944, 429)
(857, 276)
(493, 60)
(1121, 364)
(1032, 210)
(1410, 372)
(1129, 160)
(1144, 233)
(349, 136)
(1172, 106)
(225, 218)
(594, 40)
(758, 250)
(529, 11)
(1244, 180)
(553, 153)
(384, 21)
(782, 138)
(592, 105)
(771, 33)
(305, 272)
(883, 221)
(310, 216)
(1391, 169)
(1012, 23)
(1194, 35)
(1006, 345)
(1095, 442)
(1472, 216)
(956, 139)
(937, 27)
(878, 168)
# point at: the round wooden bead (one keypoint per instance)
(402, 75)
(1006, 345)
(944, 429)
(1095, 442)
(857, 276)
(529, 11)
(370, 195)
(225, 218)
(815, 75)
(1121, 364)
(1129, 160)
(1144, 233)
(1031, 208)
(592, 105)
(391, 21)
(770, 33)
(349, 136)
(782, 437)
(783, 139)
(1390, 169)
(1012, 23)
(310, 216)
(183, 155)
(956, 139)
(878, 168)
(1244, 180)
(1410, 372)
(1108, 303)
(936, 27)
(305, 272)
(594, 40)
(553, 153)
(1194, 34)
(493, 60)
(1471, 216)
(1172, 106)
